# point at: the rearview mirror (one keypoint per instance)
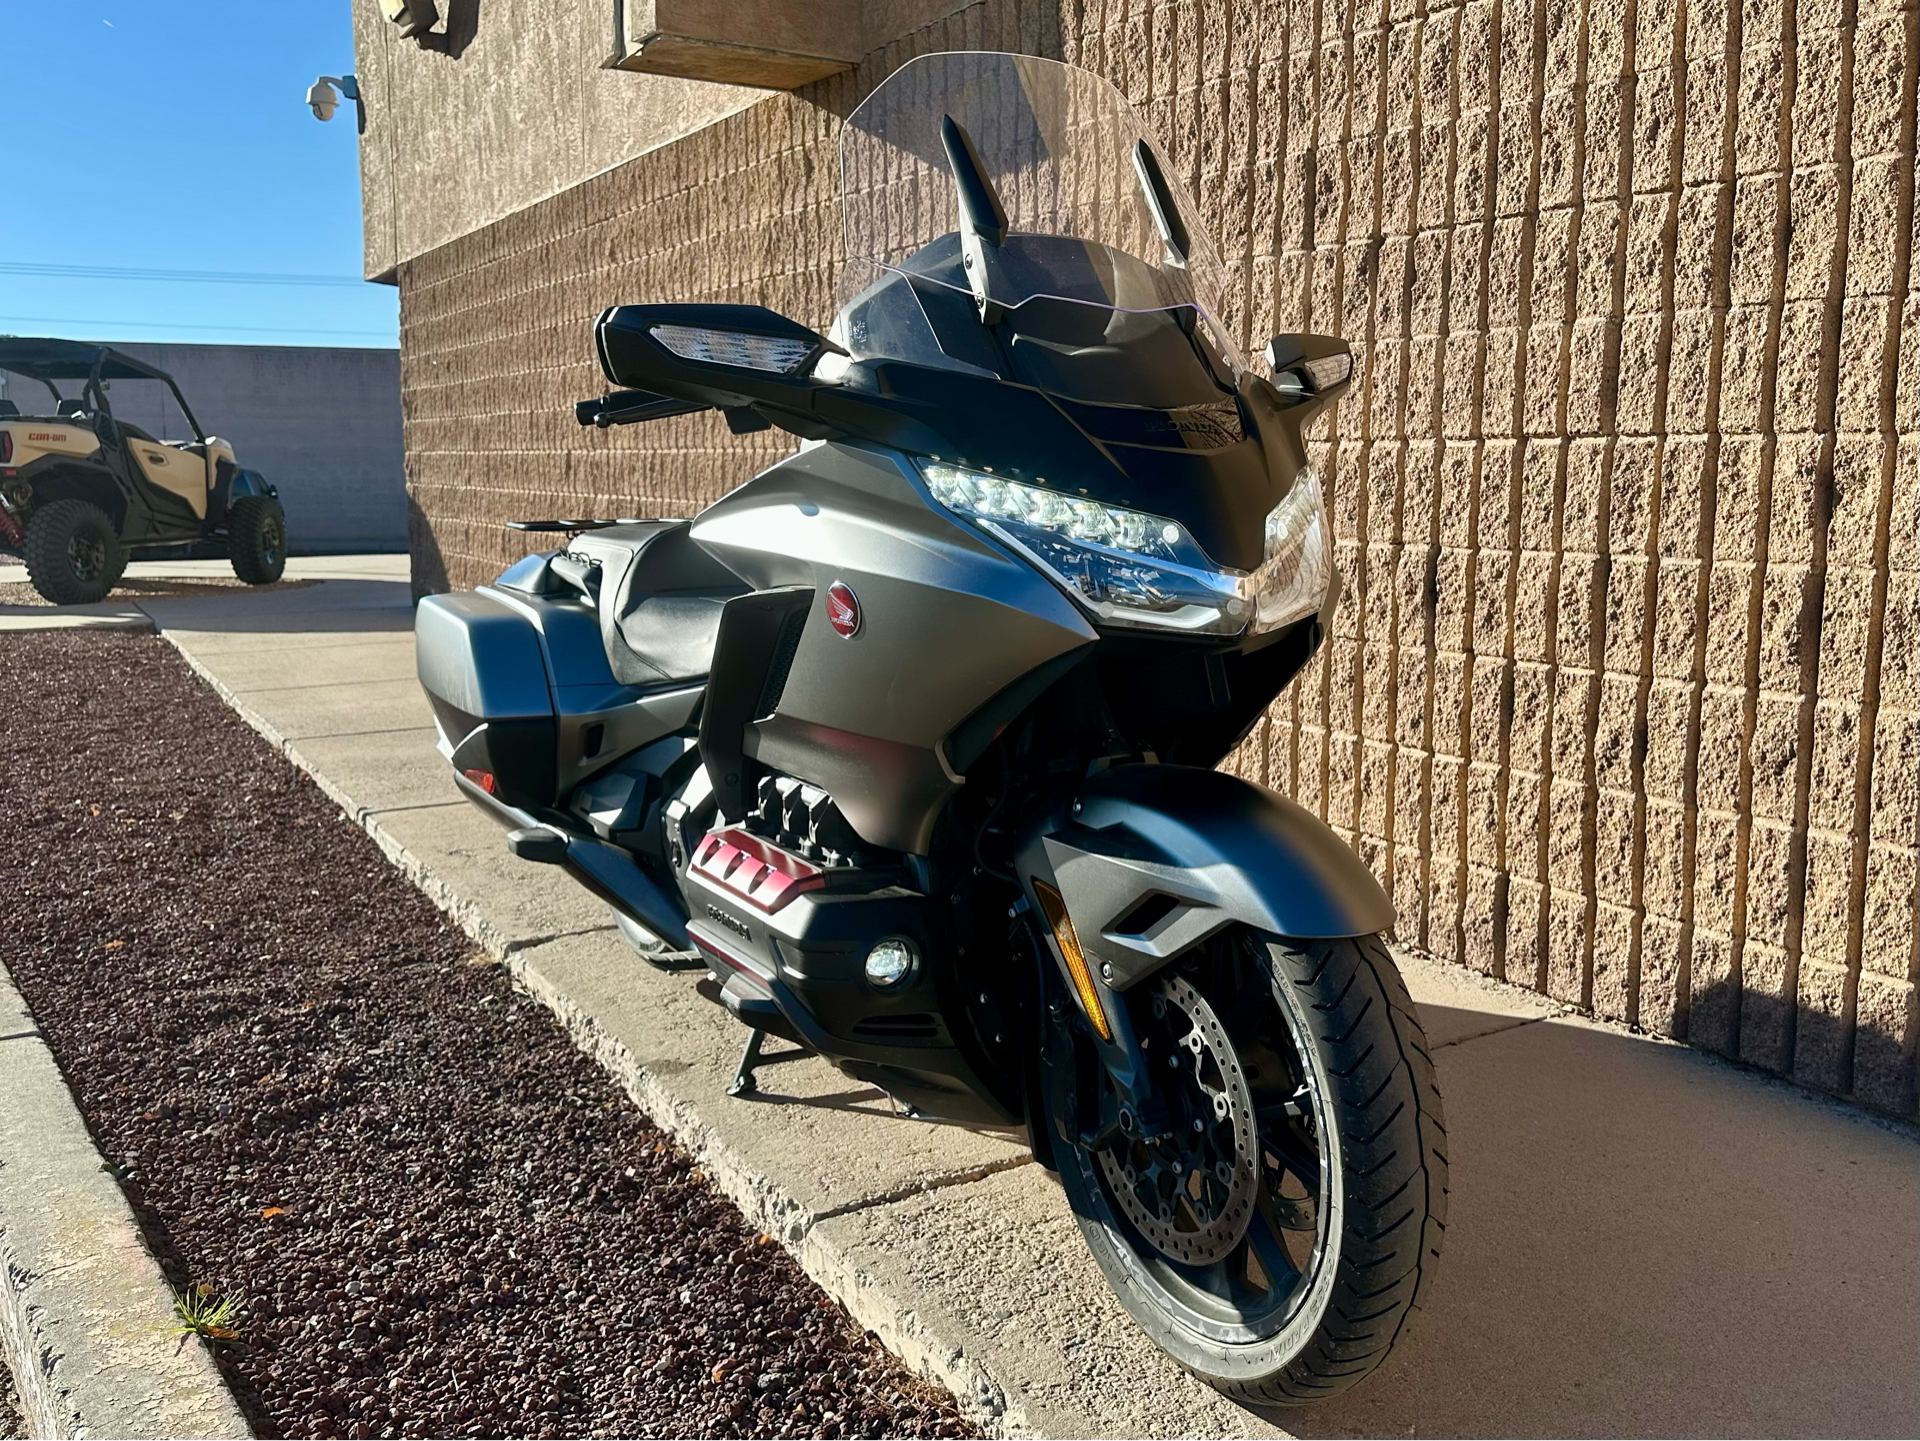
(1310, 367)
(750, 362)
(637, 342)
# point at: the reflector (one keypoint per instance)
(1069, 939)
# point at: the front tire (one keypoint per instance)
(1319, 1040)
(257, 539)
(73, 556)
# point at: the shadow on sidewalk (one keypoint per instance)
(1644, 1241)
(333, 606)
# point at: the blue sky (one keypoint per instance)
(177, 136)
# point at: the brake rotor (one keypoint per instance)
(1190, 1194)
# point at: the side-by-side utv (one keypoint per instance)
(82, 489)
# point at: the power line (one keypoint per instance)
(169, 325)
(200, 277)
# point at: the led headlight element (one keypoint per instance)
(1133, 569)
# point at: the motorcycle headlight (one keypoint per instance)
(1133, 569)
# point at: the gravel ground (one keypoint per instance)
(20, 592)
(439, 1217)
(12, 1422)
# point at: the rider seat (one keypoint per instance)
(661, 596)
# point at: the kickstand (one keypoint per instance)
(751, 1060)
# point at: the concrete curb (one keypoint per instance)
(765, 1204)
(107, 615)
(86, 1318)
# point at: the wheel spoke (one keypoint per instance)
(1263, 1236)
(1281, 1112)
(1296, 1152)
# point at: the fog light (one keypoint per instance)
(890, 964)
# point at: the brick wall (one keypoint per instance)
(1622, 701)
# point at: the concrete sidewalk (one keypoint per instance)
(1642, 1240)
(160, 580)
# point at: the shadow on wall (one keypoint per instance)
(461, 26)
(463, 23)
(429, 566)
(1868, 1062)
(1643, 1241)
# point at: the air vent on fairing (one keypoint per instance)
(914, 1026)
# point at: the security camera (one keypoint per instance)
(322, 99)
(323, 102)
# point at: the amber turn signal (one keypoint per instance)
(1077, 967)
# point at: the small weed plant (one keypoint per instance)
(201, 1313)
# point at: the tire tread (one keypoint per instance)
(1385, 1118)
(246, 518)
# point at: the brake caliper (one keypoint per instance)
(1190, 1192)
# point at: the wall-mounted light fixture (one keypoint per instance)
(414, 17)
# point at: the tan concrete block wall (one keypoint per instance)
(1622, 702)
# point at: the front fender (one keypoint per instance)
(1153, 859)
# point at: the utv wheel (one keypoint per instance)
(257, 539)
(1276, 1239)
(73, 556)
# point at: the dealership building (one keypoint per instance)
(1621, 701)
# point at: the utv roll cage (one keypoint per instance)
(49, 360)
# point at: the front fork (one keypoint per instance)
(1130, 1105)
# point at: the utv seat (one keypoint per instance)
(660, 601)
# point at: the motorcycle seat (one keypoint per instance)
(661, 596)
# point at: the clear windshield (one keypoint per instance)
(1058, 145)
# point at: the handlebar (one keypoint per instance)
(626, 407)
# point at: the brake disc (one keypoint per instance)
(1190, 1194)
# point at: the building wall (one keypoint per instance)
(508, 105)
(322, 423)
(1621, 703)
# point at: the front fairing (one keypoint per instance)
(1083, 349)
(1217, 469)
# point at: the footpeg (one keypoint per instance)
(538, 843)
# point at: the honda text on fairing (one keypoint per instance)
(910, 738)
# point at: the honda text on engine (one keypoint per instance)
(910, 737)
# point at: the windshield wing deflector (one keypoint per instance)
(1160, 201)
(983, 218)
(1006, 179)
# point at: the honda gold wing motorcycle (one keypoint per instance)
(910, 737)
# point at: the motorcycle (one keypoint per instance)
(910, 739)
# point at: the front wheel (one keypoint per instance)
(1274, 1237)
(257, 539)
